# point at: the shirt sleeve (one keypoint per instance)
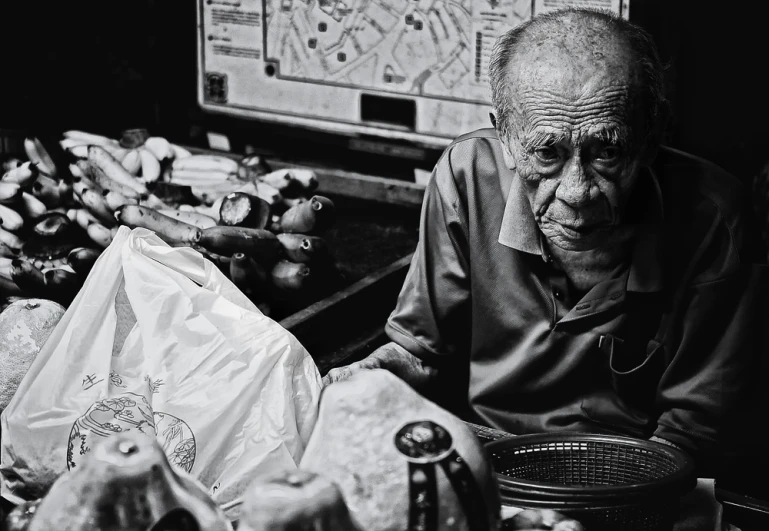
(715, 351)
(431, 318)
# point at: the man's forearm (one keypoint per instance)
(403, 364)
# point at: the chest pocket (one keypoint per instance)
(629, 364)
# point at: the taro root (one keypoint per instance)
(125, 483)
(24, 328)
(294, 500)
(399, 459)
(244, 210)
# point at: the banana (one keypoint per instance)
(307, 178)
(193, 218)
(32, 206)
(89, 138)
(160, 147)
(169, 229)
(58, 266)
(64, 189)
(48, 191)
(100, 234)
(132, 162)
(37, 154)
(69, 143)
(84, 218)
(21, 175)
(153, 201)
(114, 169)
(28, 278)
(76, 171)
(119, 153)
(210, 194)
(80, 151)
(10, 219)
(180, 152)
(269, 193)
(204, 163)
(115, 200)
(6, 267)
(10, 240)
(9, 163)
(187, 177)
(208, 211)
(93, 200)
(95, 174)
(283, 181)
(82, 259)
(10, 193)
(9, 288)
(7, 251)
(72, 214)
(150, 166)
(62, 284)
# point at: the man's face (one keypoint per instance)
(574, 140)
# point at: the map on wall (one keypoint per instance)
(299, 60)
(433, 48)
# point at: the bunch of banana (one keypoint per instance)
(141, 155)
(262, 228)
(35, 231)
(209, 177)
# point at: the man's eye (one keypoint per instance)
(546, 154)
(608, 153)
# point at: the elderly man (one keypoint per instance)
(588, 279)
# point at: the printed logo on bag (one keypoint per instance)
(127, 412)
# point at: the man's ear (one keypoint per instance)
(506, 155)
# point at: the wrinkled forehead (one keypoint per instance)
(583, 68)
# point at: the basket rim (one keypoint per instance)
(677, 483)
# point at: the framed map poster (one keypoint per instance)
(412, 70)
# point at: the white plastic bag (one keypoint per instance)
(227, 391)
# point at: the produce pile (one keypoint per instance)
(404, 463)
(63, 205)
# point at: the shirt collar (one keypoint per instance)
(520, 231)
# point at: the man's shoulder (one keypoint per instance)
(701, 181)
(707, 204)
(479, 135)
(471, 159)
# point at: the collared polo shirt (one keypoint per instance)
(660, 349)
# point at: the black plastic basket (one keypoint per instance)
(606, 482)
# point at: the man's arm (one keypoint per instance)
(429, 326)
(393, 358)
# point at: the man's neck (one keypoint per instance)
(585, 269)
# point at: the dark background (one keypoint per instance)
(105, 66)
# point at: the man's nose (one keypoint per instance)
(574, 188)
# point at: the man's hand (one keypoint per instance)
(342, 373)
(391, 357)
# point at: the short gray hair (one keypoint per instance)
(641, 45)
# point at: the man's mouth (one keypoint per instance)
(580, 230)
